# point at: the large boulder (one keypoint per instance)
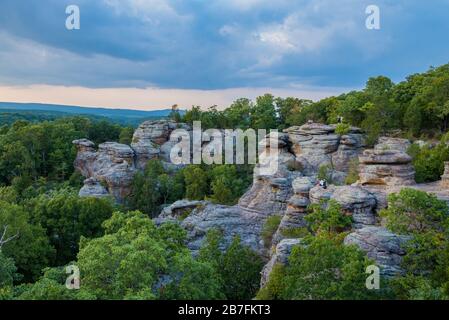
(179, 210)
(85, 157)
(387, 164)
(112, 165)
(313, 144)
(232, 221)
(357, 202)
(384, 247)
(148, 138)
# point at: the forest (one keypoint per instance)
(122, 254)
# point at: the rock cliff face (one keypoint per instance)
(115, 164)
(286, 192)
(112, 165)
(381, 245)
(296, 208)
(316, 145)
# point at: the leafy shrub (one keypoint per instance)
(328, 218)
(238, 267)
(295, 233)
(429, 162)
(320, 269)
(353, 172)
(342, 129)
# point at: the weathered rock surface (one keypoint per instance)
(272, 182)
(151, 139)
(280, 256)
(115, 164)
(387, 164)
(296, 208)
(112, 164)
(180, 209)
(381, 245)
(317, 145)
(355, 201)
(93, 188)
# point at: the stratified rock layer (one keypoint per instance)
(381, 245)
(387, 164)
(112, 164)
(115, 164)
(316, 145)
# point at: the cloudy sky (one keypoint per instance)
(155, 53)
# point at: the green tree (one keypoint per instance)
(66, 217)
(126, 135)
(425, 220)
(238, 266)
(29, 246)
(227, 185)
(155, 187)
(320, 269)
(196, 180)
(137, 260)
(328, 218)
(8, 272)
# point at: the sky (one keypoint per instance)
(151, 54)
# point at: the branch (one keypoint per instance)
(3, 240)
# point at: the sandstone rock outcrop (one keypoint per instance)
(381, 245)
(112, 164)
(272, 181)
(93, 188)
(115, 164)
(316, 145)
(280, 256)
(152, 140)
(296, 208)
(179, 210)
(355, 201)
(387, 164)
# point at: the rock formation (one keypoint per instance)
(355, 201)
(112, 165)
(152, 140)
(381, 245)
(296, 208)
(93, 188)
(316, 145)
(286, 192)
(387, 164)
(280, 256)
(115, 164)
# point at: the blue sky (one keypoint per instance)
(226, 47)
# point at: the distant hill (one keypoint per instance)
(52, 111)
